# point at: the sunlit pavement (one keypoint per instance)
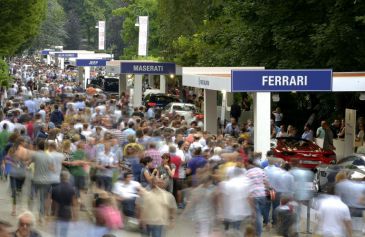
(183, 226)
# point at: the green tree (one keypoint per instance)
(130, 13)
(178, 20)
(20, 21)
(4, 74)
(52, 31)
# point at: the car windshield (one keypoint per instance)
(183, 108)
(295, 144)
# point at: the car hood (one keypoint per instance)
(358, 173)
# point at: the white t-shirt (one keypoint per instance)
(332, 213)
(126, 191)
(235, 198)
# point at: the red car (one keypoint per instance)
(309, 154)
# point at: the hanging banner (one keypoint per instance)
(350, 126)
(101, 27)
(143, 35)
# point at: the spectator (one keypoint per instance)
(25, 226)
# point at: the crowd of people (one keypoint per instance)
(142, 168)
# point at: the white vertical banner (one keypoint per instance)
(101, 27)
(350, 125)
(143, 35)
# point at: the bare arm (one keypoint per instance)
(348, 227)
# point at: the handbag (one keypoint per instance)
(270, 194)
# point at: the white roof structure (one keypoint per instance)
(212, 78)
(219, 78)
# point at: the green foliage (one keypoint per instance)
(130, 31)
(20, 21)
(4, 74)
(52, 31)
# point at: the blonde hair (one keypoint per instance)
(66, 145)
(27, 214)
(340, 176)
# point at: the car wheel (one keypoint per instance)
(316, 183)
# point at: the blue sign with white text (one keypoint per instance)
(147, 68)
(91, 62)
(45, 52)
(281, 80)
(66, 55)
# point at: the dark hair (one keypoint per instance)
(146, 160)
(125, 175)
(41, 144)
(55, 106)
(197, 151)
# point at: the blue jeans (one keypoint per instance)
(42, 190)
(274, 204)
(105, 183)
(61, 228)
(129, 207)
(260, 208)
(153, 231)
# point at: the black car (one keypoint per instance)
(109, 85)
(159, 100)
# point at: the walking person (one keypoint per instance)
(65, 199)
(260, 184)
(42, 172)
(17, 174)
(157, 209)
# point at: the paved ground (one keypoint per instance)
(183, 228)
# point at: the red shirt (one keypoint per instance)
(176, 160)
(30, 129)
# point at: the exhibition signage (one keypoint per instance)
(45, 52)
(147, 68)
(91, 62)
(101, 27)
(142, 36)
(281, 80)
(66, 55)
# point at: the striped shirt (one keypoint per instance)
(258, 179)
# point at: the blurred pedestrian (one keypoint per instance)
(260, 184)
(157, 209)
(333, 217)
(65, 200)
(25, 226)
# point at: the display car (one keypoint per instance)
(159, 100)
(353, 165)
(307, 153)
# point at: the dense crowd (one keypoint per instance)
(141, 166)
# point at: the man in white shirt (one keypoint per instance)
(127, 193)
(236, 199)
(333, 217)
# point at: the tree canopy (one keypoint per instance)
(20, 21)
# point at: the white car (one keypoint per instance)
(182, 109)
